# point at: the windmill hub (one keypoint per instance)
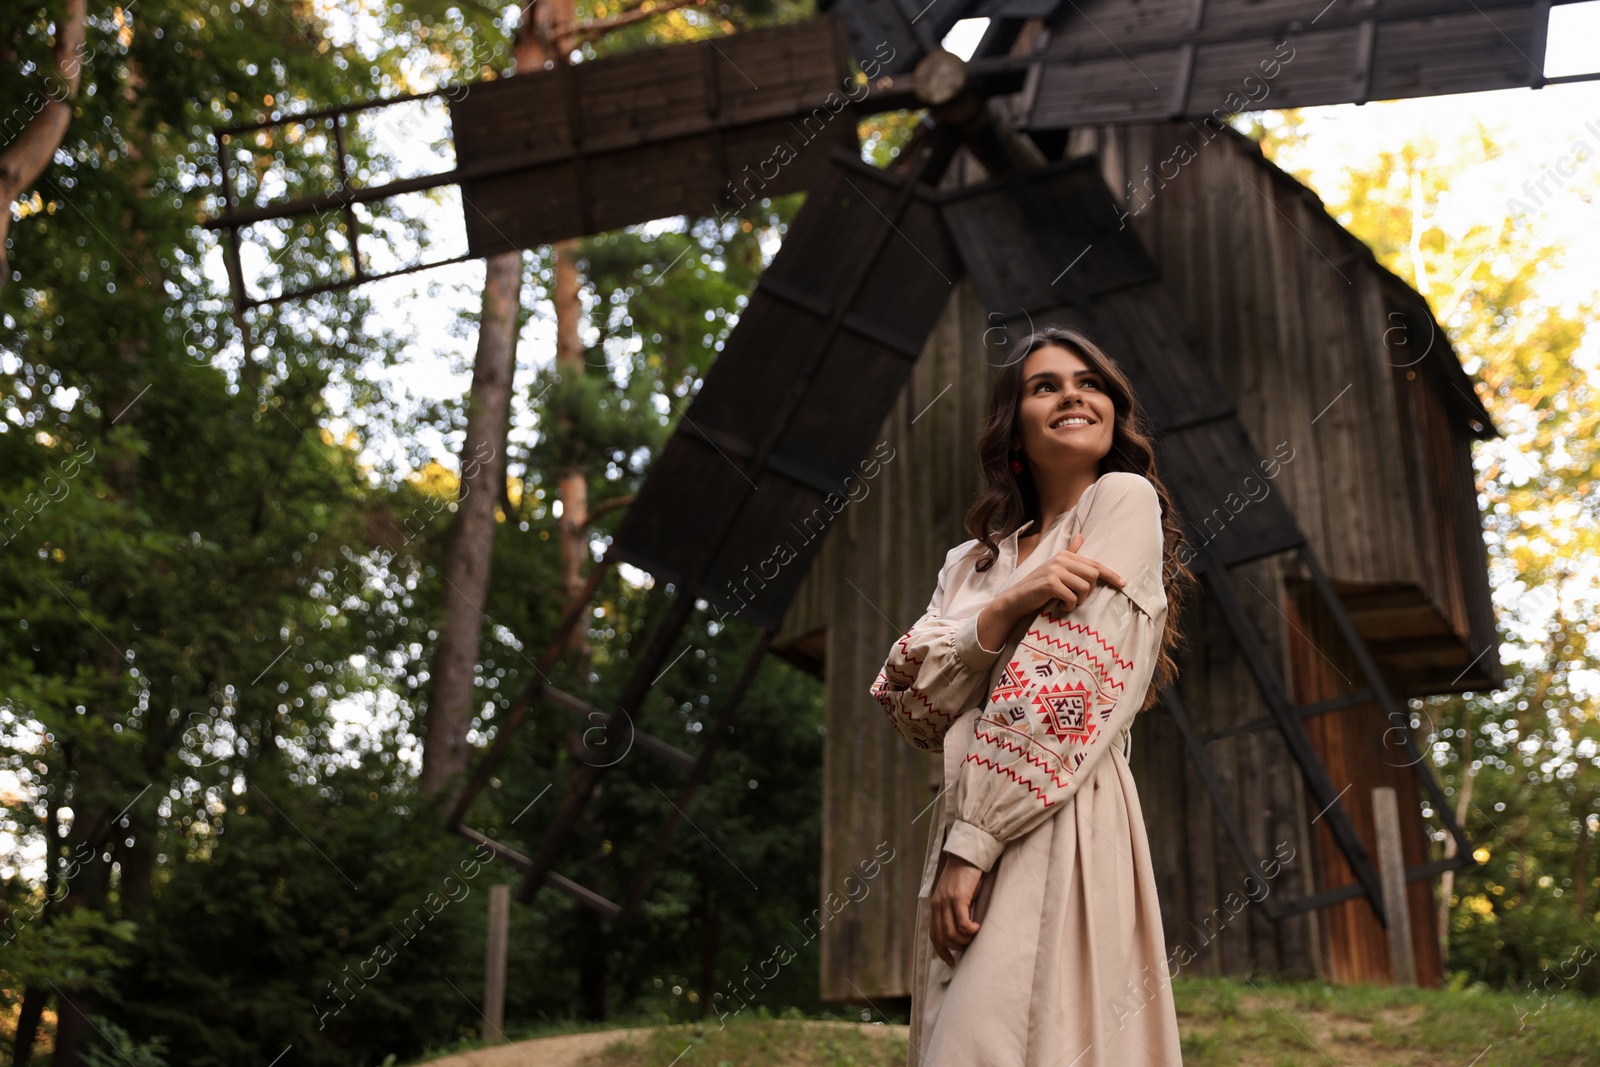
(939, 77)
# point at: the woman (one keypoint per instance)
(1039, 940)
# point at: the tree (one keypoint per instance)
(1521, 762)
(153, 549)
(31, 149)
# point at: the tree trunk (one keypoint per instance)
(708, 946)
(32, 1010)
(1580, 865)
(35, 997)
(445, 753)
(573, 485)
(467, 558)
(1447, 884)
(25, 159)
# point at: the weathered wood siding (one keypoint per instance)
(873, 579)
(1314, 341)
(1291, 314)
(1360, 753)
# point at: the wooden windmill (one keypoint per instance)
(1018, 203)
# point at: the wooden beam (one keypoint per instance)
(1392, 869)
(494, 963)
(1399, 717)
(718, 733)
(1537, 46)
(1305, 711)
(1271, 685)
(530, 692)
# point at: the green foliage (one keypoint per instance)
(1530, 752)
(122, 1048)
(1226, 1022)
(216, 611)
(327, 920)
(790, 1042)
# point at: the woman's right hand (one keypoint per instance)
(1065, 576)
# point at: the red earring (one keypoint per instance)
(1016, 466)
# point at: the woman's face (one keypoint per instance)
(1065, 416)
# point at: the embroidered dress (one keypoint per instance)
(1068, 968)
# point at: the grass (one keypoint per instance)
(774, 1042)
(1245, 1023)
(1223, 1023)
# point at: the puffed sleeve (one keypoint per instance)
(934, 669)
(1075, 680)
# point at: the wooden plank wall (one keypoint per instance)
(1288, 311)
(1205, 890)
(1279, 303)
(1450, 542)
(871, 581)
(1352, 743)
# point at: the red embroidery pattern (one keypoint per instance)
(1066, 712)
(1013, 775)
(1049, 767)
(903, 673)
(1012, 682)
(920, 727)
(1062, 686)
(917, 718)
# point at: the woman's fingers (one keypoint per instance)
(950, 927)
(1065, 594)
(936, 929)
(1090, 569)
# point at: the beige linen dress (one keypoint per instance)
(1068, 968)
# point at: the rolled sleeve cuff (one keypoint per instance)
(978, 847)
(973, 654)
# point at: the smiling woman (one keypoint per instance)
(1047, 633)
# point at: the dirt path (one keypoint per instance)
(568, 1049)
(563, 1051)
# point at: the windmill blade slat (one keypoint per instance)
(1078, 246)
(762, 460)
(897, 33)
(1119, 62)
(681, 130)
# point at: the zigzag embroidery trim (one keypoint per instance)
(1010, 746)
(913, 662)
(1046, 640)
(922, 728)
(973, 757)
(1068, 623)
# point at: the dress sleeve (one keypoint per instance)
(1074, 682)
(933, 669)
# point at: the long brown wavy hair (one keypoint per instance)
(1008, 500)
